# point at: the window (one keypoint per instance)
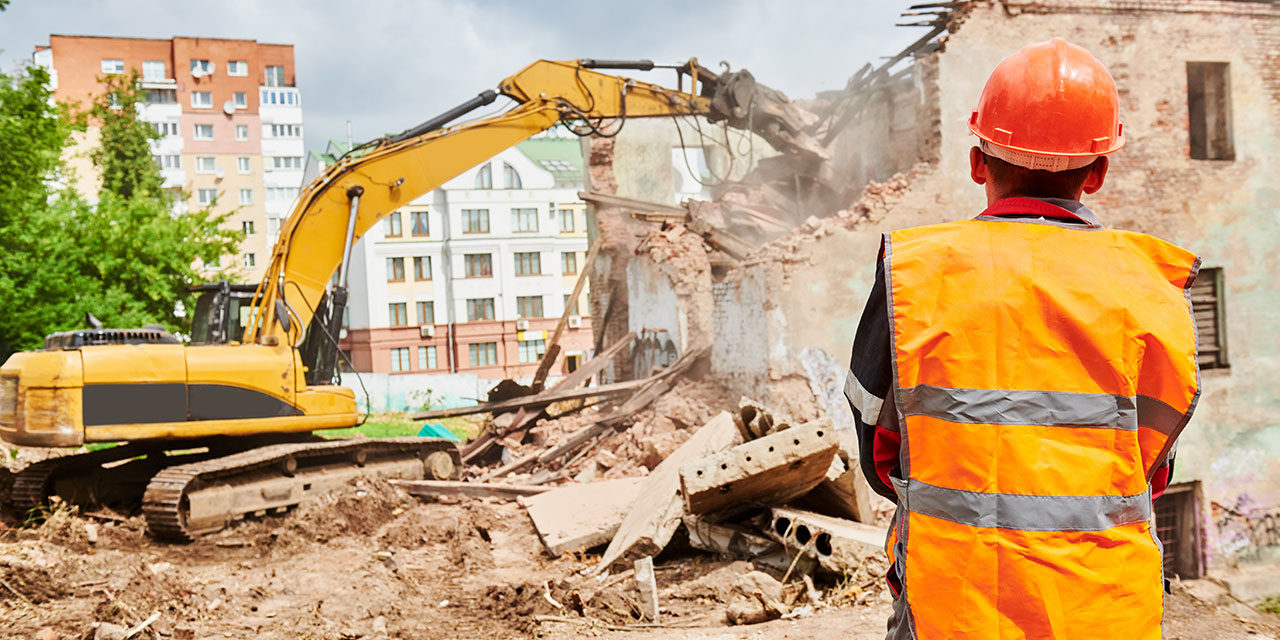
(246, 199)
(172, 161)
(484, 354)
(162, 96)
(204, 132)
(426, 357)
(422, 268)
(400, 359)
(242, 132)
(111, 65)
(475, 221)
(274, 76)
(529, 306)
(273, 226)
(484, 177)
(426, 312)
(398, 314)
(524, 220)
(569, 263)
(532, 350)
(395, 269)
(206, 197)
(165, 128)
(206, 164)
(571, 306)
(250, 261)
(237, 68)
(510, 179)
(238, 98)
(242, 164)
(247, 227)
(201, 68)
(287, 162)
(478, 265)
(566, 221)
(418, 223)
(153, 70)
(282, 130)
(394, 230)
(281, 193)
(479, 309)
(528, 264)
(1209, 110)
(1211, 319)
(201, 99)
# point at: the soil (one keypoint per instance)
(369, 561)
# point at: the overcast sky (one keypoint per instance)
(389, 64)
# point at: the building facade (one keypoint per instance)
(474, 276)
(229, 115)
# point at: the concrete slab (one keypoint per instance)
(737, 542)
(576, 517)
(839, 545)
(655, 515)
(647, 586)
(770, 470)
(843, 493)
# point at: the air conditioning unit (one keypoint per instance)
(522, 325)
(427, 331)
(575, 322)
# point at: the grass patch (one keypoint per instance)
(400, 424)
(1270, 605)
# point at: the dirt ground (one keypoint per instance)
(371, 562)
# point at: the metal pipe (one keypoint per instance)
(354, 194)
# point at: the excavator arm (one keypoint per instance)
(353, 194)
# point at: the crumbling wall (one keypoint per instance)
(670, 300)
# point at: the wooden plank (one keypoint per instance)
(628, 203)
(434, 488)
(516, 403)
(571, 381)
(553, 345)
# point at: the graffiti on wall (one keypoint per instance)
(1246, 530)
(653, 349)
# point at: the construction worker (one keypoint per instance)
(1018, 380)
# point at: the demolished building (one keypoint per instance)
(778, 303)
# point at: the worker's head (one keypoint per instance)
(1047, 117)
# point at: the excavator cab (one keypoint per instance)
(222, 312)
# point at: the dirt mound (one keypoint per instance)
(360, 509)
(466, 532)
(30, 582)
(519, 603)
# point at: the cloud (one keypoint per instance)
(387, 65)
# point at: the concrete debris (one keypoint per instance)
(438, 488)
(647, 586)
(733, 541)
(577, 517)
(770, 470)
(657, 512)
(840, 546)
(754, 598)
(843, 493)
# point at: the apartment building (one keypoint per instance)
(473, 277)
(230, 118)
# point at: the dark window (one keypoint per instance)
(479, 309)
(418, 223)
(478, 265)
(422, 268)
(484, 354)
(395, 269)
(528, 264)
(398, 314)
(393, 225)
(529, 306)
(1178, 525)
(1209, 110)
(426, 312)
(1211, 317)
(475, 221)
(524, 220)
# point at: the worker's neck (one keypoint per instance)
(1000, 192)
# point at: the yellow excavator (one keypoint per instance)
(222, 428)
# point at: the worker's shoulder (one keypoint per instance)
(1175, 264)
(931, 231)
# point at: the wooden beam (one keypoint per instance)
(547, 398)
(434, 488)
(553, 345)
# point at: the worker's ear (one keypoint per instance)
(978, 166)
(1097, 176)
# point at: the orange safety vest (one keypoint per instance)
(1042, 371)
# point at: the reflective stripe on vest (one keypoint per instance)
(1040, 372)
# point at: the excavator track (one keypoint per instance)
(187, 501)
(34, 484)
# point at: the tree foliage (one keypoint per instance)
(128, 257)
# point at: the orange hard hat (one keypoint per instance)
(1050, 99)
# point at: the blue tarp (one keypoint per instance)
(437, 431)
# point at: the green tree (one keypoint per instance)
(127, 258)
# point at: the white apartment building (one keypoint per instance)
(474, 276)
